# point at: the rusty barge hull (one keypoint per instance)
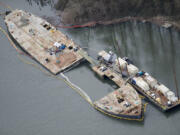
(139, 117)
(41, 40)
(115, 104)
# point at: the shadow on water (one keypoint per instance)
(172, 112)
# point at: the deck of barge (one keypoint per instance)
(42, 41)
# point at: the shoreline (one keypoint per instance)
(161, 21)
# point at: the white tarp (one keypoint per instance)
(102, 53)
(132, 70)
(170, 94)
(163, 89)
(150, 80)
(122, 63)
(57, 44)
(174, 99)
(141, 83)
(107, 57)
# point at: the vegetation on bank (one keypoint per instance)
(83, 11)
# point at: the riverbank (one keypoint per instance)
(83, 13)
(166, 22)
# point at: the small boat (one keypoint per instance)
(144, 83)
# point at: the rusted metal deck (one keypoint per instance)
(123, 102)
(42, 41)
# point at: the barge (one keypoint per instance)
(56, 52)
(142, 81)
(42, 41)
(122, 103)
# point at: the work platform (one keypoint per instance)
(42, 41)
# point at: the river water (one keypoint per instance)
(32, 103)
